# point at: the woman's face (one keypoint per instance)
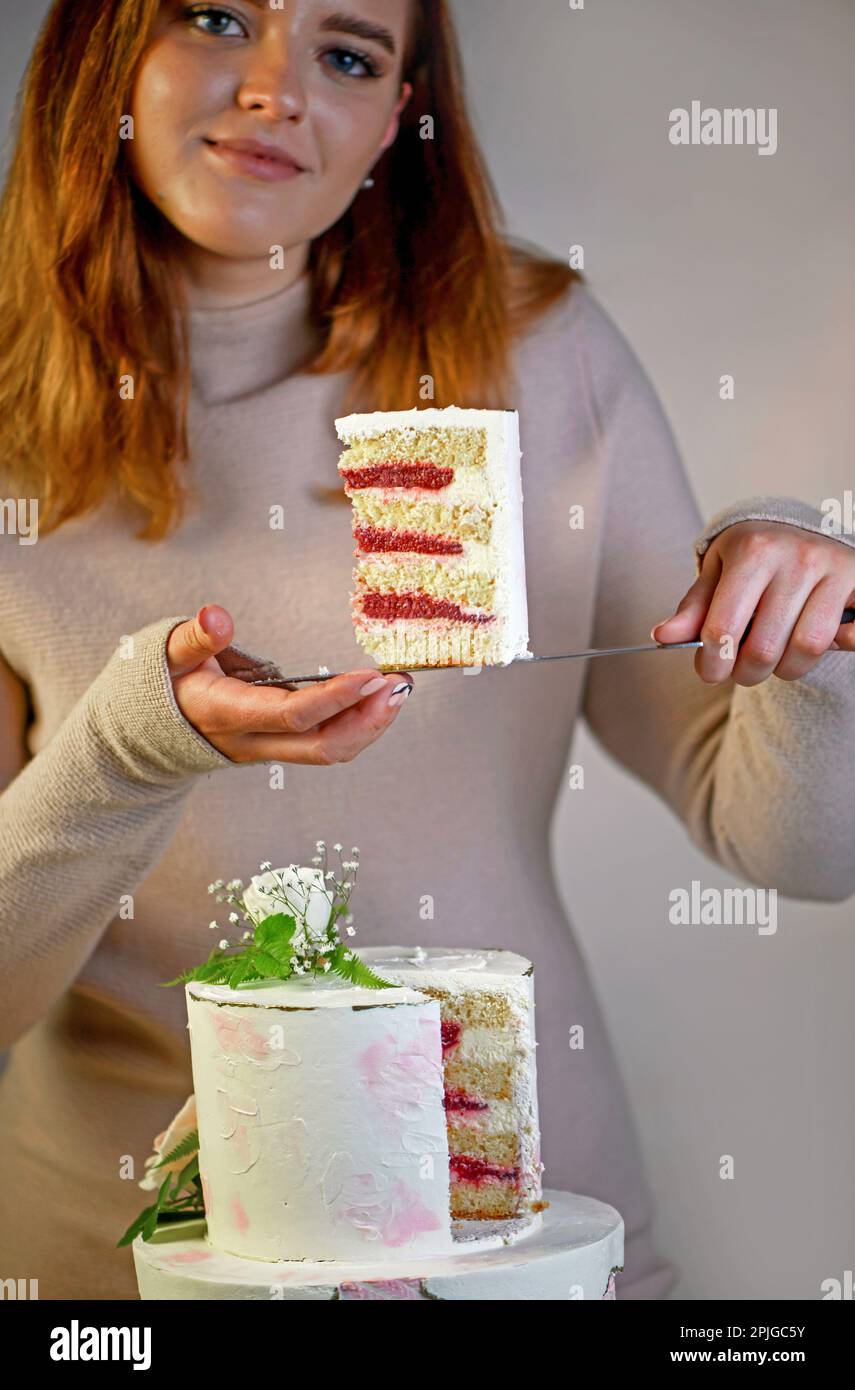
(322, 87)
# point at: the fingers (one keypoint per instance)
(818, 627)
(200, 638)
(736, 597)
(686, 623)
(339, 740)
(233, 706)
(325, 723)
(773, 623)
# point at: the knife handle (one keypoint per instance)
(847, 616)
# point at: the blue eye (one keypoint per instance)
(213, 12)
(208, 12)
(363, 58)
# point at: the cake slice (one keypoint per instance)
(438, 525)
(486, 1004)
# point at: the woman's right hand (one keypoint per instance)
(324, 723)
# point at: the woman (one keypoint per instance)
(308, 291)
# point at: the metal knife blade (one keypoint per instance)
(847, 616)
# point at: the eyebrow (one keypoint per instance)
(350, 24)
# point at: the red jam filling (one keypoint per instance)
(373, 538)
(464, 1168)
(418, 605)
(450, 1031)
(461, 1100)
(397, 473)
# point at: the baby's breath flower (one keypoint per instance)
(247, 936)
(213, 925)
(266, 865)
(233, 917)
(351, 931)
(224, 945)
(337, 849)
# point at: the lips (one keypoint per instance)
(253, 159)
(257, 149)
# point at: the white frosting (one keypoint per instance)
(455, 967)
(461, 971)
(321, 1122)
(501, 485)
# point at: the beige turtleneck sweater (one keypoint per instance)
(123, 813)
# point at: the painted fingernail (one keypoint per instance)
(399, 694)
(376, 683)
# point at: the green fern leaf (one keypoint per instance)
(355, 970)
(189, 1145)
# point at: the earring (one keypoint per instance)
(368, 183)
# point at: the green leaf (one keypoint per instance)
(189, 1145)
(210, 972)
(146, 1223)
(269, 966)
(186, 1176)
(138, 1227)
(355, 970)
(274, 934)
(243, 969)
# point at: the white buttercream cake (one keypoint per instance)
(338, 1122)
(438, 522)
(486, 1000)
(321, 1122)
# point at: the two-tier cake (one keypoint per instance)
(377, 1143)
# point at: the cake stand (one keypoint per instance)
(572, 1251)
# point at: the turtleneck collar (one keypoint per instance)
(243, 348)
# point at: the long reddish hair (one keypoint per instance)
(88, 298)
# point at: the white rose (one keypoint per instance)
(305, 894)
(177, 1130)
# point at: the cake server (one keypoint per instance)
(847, 616)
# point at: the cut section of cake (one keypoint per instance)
(486, 1001)
(438, 524)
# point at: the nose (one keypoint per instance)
(273, 83)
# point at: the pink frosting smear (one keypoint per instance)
(383, 1288)
(239, 1216)
(238, 1037)
(406, 1075)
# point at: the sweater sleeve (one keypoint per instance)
(787, 509)
(87, 818)
(755, 773)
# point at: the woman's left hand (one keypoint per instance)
(795, 583)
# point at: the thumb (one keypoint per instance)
(193, 643)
